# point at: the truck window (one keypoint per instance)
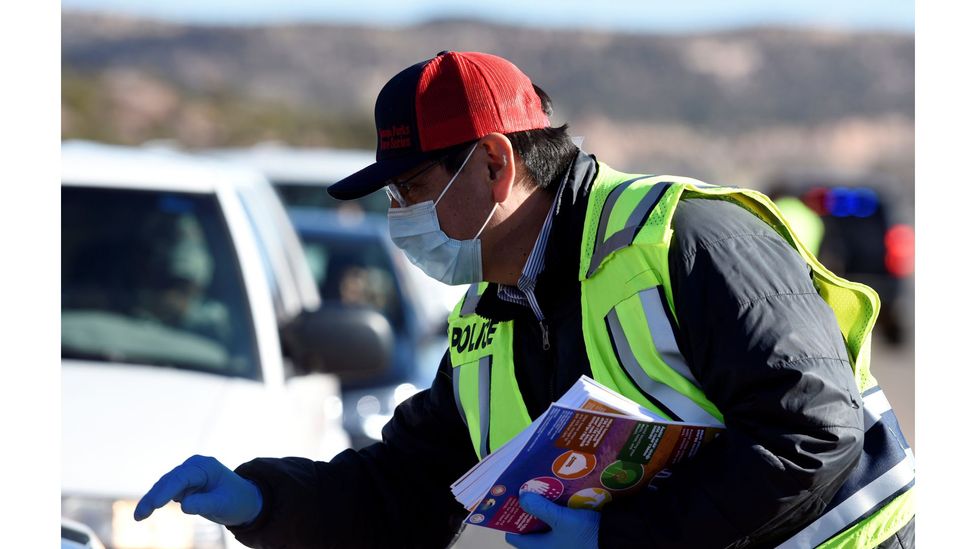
(151, 277)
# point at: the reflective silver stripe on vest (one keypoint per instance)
(663, 334)
(619, 239)
(456, 378)
(484, 400)
(601, 231)
(852, 508)
(875, 404)
(471, 299)
(678, 405)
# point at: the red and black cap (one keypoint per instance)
(451, 99)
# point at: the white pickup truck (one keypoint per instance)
(189, 325)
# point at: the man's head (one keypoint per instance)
(470, 133)
(437, 109)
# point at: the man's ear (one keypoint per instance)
(500, 160)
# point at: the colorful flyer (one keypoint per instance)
(584, 459)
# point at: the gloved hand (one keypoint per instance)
(577, 528)
(204, 486)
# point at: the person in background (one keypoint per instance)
(175, 278)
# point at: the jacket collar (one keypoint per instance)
(559, 279)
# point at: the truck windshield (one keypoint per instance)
(151, 277)
(354, 272)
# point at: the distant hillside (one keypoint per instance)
(734, 103)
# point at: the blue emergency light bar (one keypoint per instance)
(850, 202)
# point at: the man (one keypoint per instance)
(689, 298)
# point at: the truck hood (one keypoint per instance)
(123, 426)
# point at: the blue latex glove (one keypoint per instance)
(204, 486)
(570, 527)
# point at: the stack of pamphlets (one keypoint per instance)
(589, 447)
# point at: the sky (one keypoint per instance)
(620, 15)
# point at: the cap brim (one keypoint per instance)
(373, 177)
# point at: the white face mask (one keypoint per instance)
(416, 230)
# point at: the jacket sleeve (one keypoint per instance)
(767, 350)
(395, 493)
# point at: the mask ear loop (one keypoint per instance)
(495, 207)
(451, 182)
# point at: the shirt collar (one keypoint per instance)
(523, 292)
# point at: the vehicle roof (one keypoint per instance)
(87, 163)
(310, 166)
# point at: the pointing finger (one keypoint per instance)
(174, 484)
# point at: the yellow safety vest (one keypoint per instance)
(628, 319)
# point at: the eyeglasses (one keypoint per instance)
(396, 189)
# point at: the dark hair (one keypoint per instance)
(546, 153)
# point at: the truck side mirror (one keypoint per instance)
(351, 342)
